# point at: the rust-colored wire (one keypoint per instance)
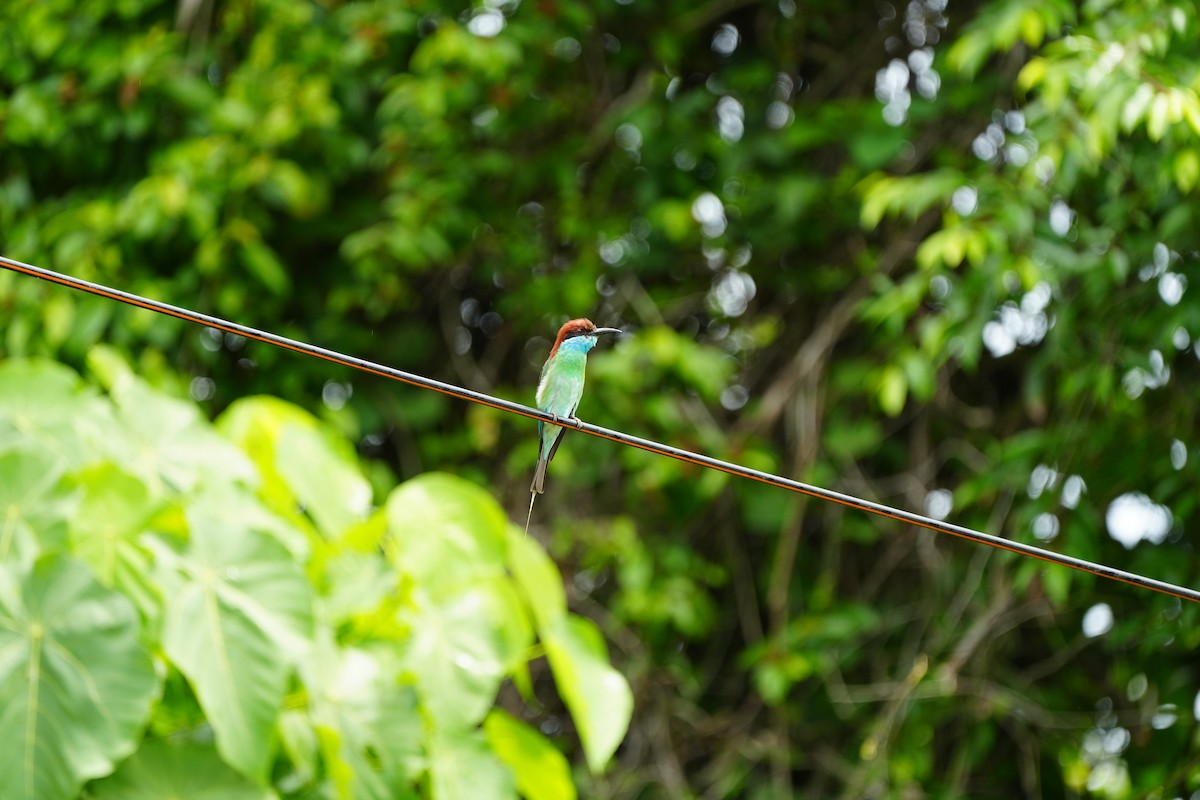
(939, 526)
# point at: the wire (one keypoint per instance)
(699, 459)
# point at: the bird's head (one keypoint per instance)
(582, 331)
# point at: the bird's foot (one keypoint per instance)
(575, 422)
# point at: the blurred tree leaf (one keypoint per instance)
(541, 771)
(463, 766)
(159, 770)
(303, 464)
(597, 695)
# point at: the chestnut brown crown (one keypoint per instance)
(578, 327)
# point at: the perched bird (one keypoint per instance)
(559, 390)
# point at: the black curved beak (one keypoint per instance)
(600, 331)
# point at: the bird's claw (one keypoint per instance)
(575, 422)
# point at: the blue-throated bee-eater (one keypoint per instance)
(559, 390)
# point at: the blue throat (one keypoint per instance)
(578, 344)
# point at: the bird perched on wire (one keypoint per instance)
(559, 390)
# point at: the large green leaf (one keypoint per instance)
(542, 772)
(43, 401)
(463, 645)
(115, 509)
(369, 724)
(355, 584)
(446, 531)
(162, 439)
(35, 393)
(538, 577)
(76, 685)
(302, 463)
(194, 771)
(33, 507)
(238, 616)
(598, 696)
(463, 767)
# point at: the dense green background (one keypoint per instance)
(936, 255)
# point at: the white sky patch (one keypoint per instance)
(1166, 716)
(1179, 454)
(1041, 479)
(987, 144)
(1061, 217)
(731, 119)
(1072, 491)
(965, 200)
(567, 49)
(1045, 526)
(734, 397)
(998, 340)
(939, 503)
(629, 137)
(1138, 380)
(726, 40)
(1025, 324)
(732, 292)
(779, 115)
(486, 23)
(1098, 620)
(1171, 286)
(1134, 517)
(709, 211)
(891, 89)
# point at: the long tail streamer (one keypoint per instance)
(1112, 573)
(529, 516)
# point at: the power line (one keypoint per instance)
(939, 526)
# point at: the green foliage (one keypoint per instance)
(159, 770)
(542, 771)
(939, 256)
(597, 696)
(77, 682)
(151, 604)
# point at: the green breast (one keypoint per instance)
(562, 383)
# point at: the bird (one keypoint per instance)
(559, 391)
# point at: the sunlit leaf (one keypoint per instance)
(597, 696)
(1157, 117)
(1187, 170)
(237, 618)
(114, 510)
(462, 646)
(160, 770)
(539, 579)
(1032, 74)
(893, 390)
(164, 440)
(541, 771)
(303, 464)
(463, 767)
(76, 681)
(38, 393)
(446, 531)
(44, 401)
(370, 725)
(33, 507)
